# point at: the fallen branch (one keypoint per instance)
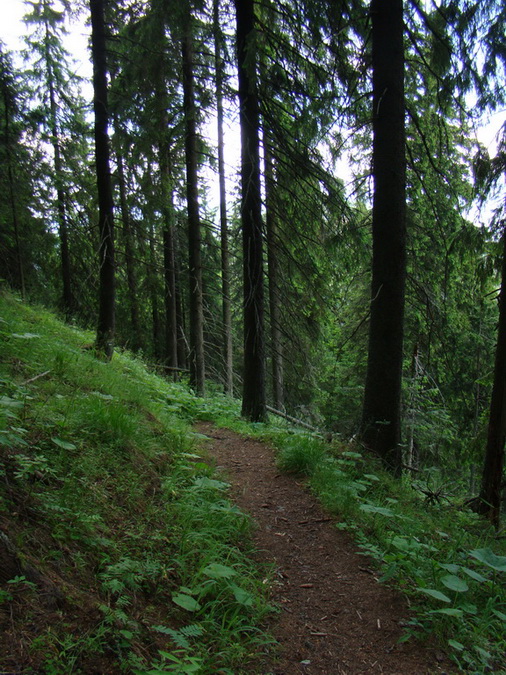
(293, 420)
(32, 379)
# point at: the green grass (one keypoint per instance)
(450, 562)
(103, 492)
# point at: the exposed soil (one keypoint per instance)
(335, 619)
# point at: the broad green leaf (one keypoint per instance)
(241, 596)
(474, 575)
(8, 402)
(371, 508)
(63, 444)
(203, 482)
(499, 614)
(449, 611)
(450, 567)
(217, 571)
(186, 602)
(437, 595)
(127, 634)
(456, 645)
(454, 583)
(483, 652)
(488, 557)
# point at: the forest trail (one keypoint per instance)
(335, 618)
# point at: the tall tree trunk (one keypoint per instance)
(129, 253)
(490, 494)
(182, 343)
(225, 262)
(253, 402)
(169, 263)
(273, 278)
(381, 421)
(105, 328)
(12, 199)
(67, 296)
(153, 294)
(197, 365)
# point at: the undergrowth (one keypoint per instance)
(142, 562)
(447, 560)
(103, 491)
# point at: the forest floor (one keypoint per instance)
(335, 618)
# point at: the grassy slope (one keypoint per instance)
(144, 561)
(129, 556)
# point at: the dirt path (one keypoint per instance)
(335, 619)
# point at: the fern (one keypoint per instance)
(180, 636)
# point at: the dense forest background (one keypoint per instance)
(269, 294)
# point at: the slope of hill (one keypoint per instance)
(119, 549)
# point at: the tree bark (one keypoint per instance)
(228, 378)
(169, 263)
(381, 420)
(67, 296)
(492, 477)
(197, 364)
(253, 402)
(106, 318)
(12, 194)
(129, 254)
(153, 294)
(273, 278)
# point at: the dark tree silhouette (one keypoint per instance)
(253, 402)
(381, 420)
(106, 314)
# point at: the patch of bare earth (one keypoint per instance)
(335, 618)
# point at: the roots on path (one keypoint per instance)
(335, 618)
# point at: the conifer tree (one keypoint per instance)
(106, 314)
(197, 364)
(254, 399)
(224, 234)
(54, 84)
(381, 422)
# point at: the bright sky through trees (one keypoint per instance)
(12, 29)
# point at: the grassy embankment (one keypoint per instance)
(120, 550)
(130, 556)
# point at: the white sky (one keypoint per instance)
(12, 30)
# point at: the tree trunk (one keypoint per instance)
(273, 278)
(225, 262)
(169, 263)
(12, 198)
(197, 366)
(105, 328)
(253, 402)
(67, 296)
(129, 254)
(381, 421)
(153, 294)
(490, 494)
(182, 343)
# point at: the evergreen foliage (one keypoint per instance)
(304, 270)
